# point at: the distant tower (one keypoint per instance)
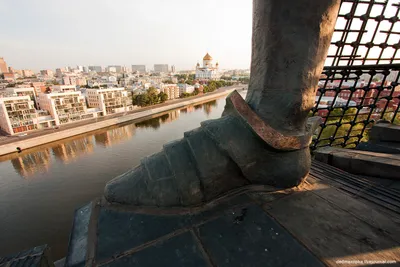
(173, 68)
(3, 66)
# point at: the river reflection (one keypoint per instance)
(155, 123)
(28, 165)
(209, 106)
(40, 188)
(71, 150)
(115, 136)
(30, 161)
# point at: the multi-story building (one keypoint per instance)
(161, 68)
(173, 69)
(110, 100)
(172, 90)
(23, 91)
(63, 88)
(60, 72)
(96, 68)
(185, 88)
(111, 69)
(27, 73)
(72, 80)
(48, 73)
(140, 68)
(66, 107)
(3, 66)
(17, 114)
(10, 77)
(69, 79)
(65, 80)
(154, 79)
(39, 87)
(18, 73)
(81, 81)
(116, 68)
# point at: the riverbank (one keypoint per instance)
(55, 135)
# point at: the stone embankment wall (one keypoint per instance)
(55, 136)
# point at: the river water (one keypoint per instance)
(40, 188)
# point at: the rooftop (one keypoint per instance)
(333, 217)
(207, 57)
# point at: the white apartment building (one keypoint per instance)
(81, 81)
(63, 88)
(66, 107)
(24, 91)
(172, 90)
(17, 114)
(112, 69)
(185, 88)
(110, 100)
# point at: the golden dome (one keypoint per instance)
(207, 57)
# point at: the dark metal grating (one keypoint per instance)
(366, 33)
(360, 81)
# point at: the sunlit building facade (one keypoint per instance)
(161, 68)
(48, 73)
(185, 88)
(208, 71)
(63, 88)
(17, 114)
(172, 90)
(23, 91)
(3, 66)
(140, 68)
(110, 100)
(66, 107)
(38, 87)
(28, 73)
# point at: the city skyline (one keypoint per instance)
(51, 34)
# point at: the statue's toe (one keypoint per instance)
(130, 188)
(210, 161)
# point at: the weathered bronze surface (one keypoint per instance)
(264, 141)
(268, 134)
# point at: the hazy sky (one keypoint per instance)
(43, 34)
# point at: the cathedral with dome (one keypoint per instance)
(208, 71)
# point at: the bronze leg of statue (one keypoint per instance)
(263, 140)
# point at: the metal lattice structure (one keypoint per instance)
(360, 81)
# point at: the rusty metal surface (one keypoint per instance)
(271, 136)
